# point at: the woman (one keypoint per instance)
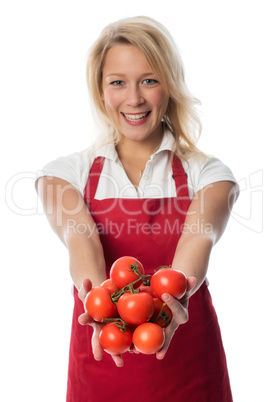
(146, 191)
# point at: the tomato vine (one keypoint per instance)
(130, 287)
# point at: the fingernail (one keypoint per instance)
(98, 358)
(165, 297)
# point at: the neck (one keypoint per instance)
(138, 149)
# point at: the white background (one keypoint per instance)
(45, 113)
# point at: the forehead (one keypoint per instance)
(122, 57)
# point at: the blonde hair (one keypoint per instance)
(161, 53)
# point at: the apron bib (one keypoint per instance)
(194, 368)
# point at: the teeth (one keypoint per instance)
(135, 117)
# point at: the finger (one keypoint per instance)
(162, 352)
(85, 319)
(133, 349)
(191, 282)
(179, 316)
(169, 332)
(118, 360)
(85, 288)
(179, 313)
(96, 347)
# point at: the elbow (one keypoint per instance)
(80, 231)
(233, 195)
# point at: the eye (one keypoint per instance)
(150, 81)
(117, 83)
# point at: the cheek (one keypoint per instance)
(160, 99)
(111, 100)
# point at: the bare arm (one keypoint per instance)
(69, 217)
(205, 223)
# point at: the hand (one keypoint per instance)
(85, 319)
(179, 314)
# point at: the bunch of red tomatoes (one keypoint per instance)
(130, 305)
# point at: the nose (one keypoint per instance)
(134, 96)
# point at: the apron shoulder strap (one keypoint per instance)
(93, 178)
(179, 176)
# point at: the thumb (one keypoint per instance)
(85, 288)
(179, 312)
(191, 282)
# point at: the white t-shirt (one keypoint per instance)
(156, 181)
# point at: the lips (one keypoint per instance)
(135, 117)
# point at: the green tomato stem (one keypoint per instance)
(162, 267)
(116, 321)
(128, 288)
(162, 315)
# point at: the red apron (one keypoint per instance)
(194, 368)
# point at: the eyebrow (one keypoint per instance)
(123, 75)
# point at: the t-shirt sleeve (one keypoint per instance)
(73, 168)
(205, 171)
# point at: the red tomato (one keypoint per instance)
(148, 338)
(109, 285)
(146, 289)
(115, 339)
(135, 308)
(164, 319)
(123, 272)
(99, 305)
(170, 281)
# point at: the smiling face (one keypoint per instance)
(134, 99)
